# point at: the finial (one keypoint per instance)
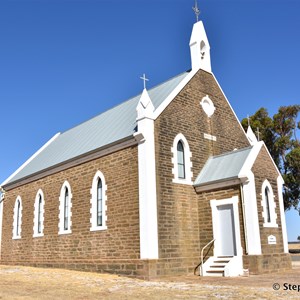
(248, 120)
(196, 10)
(258, 133)
(144, 79)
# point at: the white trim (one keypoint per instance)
(30, 159)
(147, 180)
(250, 160)
(61, 229)
(214, 204)
(16, 236)
(36, 212)
(93, 202)
(272, 205)
(207, 106)
(173, 94)
(239, 123)
(187, 160)
(251, 216)
(280, 183)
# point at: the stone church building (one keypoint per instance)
(151, 187)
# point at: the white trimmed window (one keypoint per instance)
(38, 220)
(269, 205)
(65, 206)
(17, 222)
(98, 203)
(181, 160)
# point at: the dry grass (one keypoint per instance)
(35, 283)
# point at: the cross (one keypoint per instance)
(144, 79)
(196, 10)
(257, 131)
(248, 120)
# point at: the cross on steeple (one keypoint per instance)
(196, 10)
(144, 79)
(248, 120)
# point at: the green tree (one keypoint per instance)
(280, 136)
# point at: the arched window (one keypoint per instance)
(98, 202)
(65, 205)
(17, 219)
(181, 160)
(268, 205)
(38, 221)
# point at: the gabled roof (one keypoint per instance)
(107, 128)
(223, 167)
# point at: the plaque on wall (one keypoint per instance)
(271, 240)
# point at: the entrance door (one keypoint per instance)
(226, 236)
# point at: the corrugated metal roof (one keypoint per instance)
(223, 167)
(106, 128)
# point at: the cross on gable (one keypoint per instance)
(144, 79)
(258, 133)
(196, 10)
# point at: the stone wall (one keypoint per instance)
(120, 240)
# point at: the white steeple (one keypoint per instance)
(200, 49)
(251, 136)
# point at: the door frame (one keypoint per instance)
(215, 222)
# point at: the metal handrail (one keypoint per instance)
(202, 255)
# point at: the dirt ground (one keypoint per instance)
(36, 283)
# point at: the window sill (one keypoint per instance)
(16, 237)
(182, 181)
(65, 232)
(100, 228)
(38, 235)
(270, 225)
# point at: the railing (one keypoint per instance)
(202, 254)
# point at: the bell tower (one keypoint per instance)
(199, 45)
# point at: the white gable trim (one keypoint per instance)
(173, 94)
(230, 106)
(30, 159)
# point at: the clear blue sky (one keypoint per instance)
(64, 61)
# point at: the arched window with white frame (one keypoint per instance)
(38, 221)
(98, 203)
(181, 160)
(17, 219)
(268, 205)
(65, 212)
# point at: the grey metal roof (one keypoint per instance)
(104, 129)
(222, 167)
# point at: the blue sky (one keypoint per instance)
(63, 62)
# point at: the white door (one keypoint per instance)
(226, 231)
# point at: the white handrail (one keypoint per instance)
(202, 255)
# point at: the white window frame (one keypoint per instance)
(61, 229)
(17, 219)
(272, 205)
(36, 232)
(93, 201)
(187, 160)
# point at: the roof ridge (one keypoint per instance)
(231, 152)
(126, 101)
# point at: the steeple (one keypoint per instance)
(199, 45)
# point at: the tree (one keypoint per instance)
(280, 136)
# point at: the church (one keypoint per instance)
(166, 183)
